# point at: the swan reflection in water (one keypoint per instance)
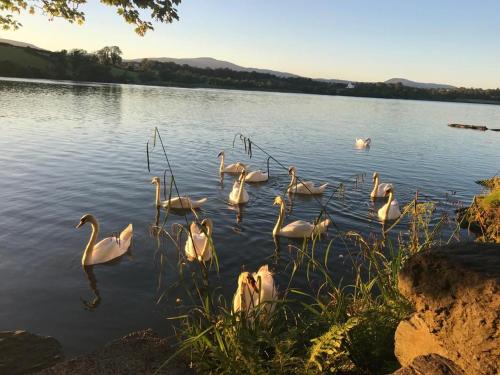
(90, 305)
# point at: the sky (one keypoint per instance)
(444, 41)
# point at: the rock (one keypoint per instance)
(22, 352)
(455, 292)
(430, 364)
(140, 352)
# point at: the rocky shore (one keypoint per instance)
(454, 329)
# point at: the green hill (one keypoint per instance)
(27, 62)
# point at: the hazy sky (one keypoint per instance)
(445, 41)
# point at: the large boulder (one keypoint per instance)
(140, 352)
(455, 293)
(22, 352)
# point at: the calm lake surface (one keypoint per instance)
(67, 149)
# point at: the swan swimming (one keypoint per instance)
(299, 228)
(363, 143)
(255, 289)
(198, 244)
(390, 210)
(185, 203)
(379, 188)
(238, 194)
(257, 176)
(305, 187)
(231, 168)
(107, 249)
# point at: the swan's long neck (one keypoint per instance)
(279, 222)
(375, 185)
(293, 181)
(93, 237)
(241, 189)
(221, 168)
(388, 207)
(207, 242)
(158, 193)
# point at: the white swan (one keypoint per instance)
(238, 194)
(257, 176)
(390, 210)
(363, 143)
(198, 244)
(299, 228)
(185, 203)
(255, 290)
(304, 187)
(379, 188)
(231, 168)
(106, 249)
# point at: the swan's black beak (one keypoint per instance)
(80, 224)
(220, 154)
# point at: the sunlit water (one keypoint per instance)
(68, 149)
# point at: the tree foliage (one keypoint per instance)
(70, 10)
(109, 55)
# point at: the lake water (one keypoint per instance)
(67, 149)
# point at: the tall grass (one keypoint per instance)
(330, 327)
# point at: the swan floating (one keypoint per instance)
(231, 168)
(305, 187)
(299, 228)
(185, 203)
(379, 188)
(257, 176)
(363, 143)
(390, 210)
(254, 290)
(198, 244)
(106, 249)
(238, 194)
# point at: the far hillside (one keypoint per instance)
(106, 65)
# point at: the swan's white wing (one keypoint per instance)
(233, 196)
(234, 168)
(126, 236)
(198, 203)
(244, 299)
(265, 283)
(106, 250)
(257, 176)
(297, 229)
(307, 187)
(195, 245)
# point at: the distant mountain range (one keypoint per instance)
(18, 44)
(420, 85)
(211, 63)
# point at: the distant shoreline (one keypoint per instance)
(211, 87)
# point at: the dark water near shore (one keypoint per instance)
(68, 149)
